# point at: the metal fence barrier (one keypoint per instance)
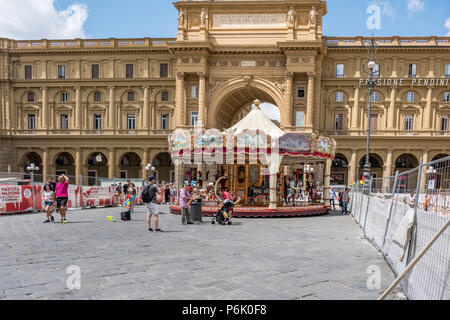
(400, 215)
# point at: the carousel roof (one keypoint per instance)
(257, 120)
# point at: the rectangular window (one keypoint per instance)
(64, 120)
(30, 96)
(409, 122)
(165, 122)
(410, 97)
(97, 97)
(375, 97)
(31, 122)
(194, 118)
(338, 122)
(61, 72)
(163, 70)
(444, 123)
(123, 174)
(446, 96)
(447, 70)
(92, 177)
(301, 92)
(339, 96)
(194, 92)
(95, 71)
(412, 70)
(374, 122)
(131, 122)
(131, 96)
(129, 71)
(300, 119)
(97, 122)
(165, 96)
(28, 72)
(64, 97)
(340, 70)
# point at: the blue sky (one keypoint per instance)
(157, 18)
(62, 19)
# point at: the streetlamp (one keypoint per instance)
(149, 167)
(370, 84)
(431, 172)
(32, 168)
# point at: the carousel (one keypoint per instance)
(269, 172)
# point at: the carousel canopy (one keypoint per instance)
(257, 120)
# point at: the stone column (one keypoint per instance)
(202, 99)
(388, 171)
(145, 161)
(146, 113)
(78, 110)
(45, 164)
(12, 109)
(78, 167)
(179, 109)
(428, 112)
(112, 164)
(273, 191)
(112, 109)
(45, 111)
(310, 102)
(327, 182)
(289, 107)
(355, 111)
(391, 112)
(423, 179)
(353, 172)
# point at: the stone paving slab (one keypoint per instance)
(286, 258)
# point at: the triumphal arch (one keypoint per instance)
(239, 51)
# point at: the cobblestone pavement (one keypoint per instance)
(299, 258)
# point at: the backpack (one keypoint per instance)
(147, 194)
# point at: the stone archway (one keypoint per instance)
(230, 98)
(65, 163)
(164, 167)
(130, 166)
(36, 159)
(339, 170)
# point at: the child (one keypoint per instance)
(48, 197)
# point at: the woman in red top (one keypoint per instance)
(227, 195)
(62, 196)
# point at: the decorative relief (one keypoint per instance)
(214, 84)
(306, 59)
(247, 80)
(281, 85)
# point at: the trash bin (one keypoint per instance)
(196, 211)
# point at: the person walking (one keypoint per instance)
(125, 189)
(167, 194)
(48, 197)
(149, 197)
(185, 198)
(119, 191)
(332, 198)
(345, 201)
(62, 196)
(427, 203)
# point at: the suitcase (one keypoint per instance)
(125, 216)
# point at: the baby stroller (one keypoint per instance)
(223, 216)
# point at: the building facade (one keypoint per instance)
(104, 107)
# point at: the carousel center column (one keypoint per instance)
(326, 189)
(273, 191)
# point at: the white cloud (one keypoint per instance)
(447, 25)
(386, 8)
(37, 19)
(415, 6)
